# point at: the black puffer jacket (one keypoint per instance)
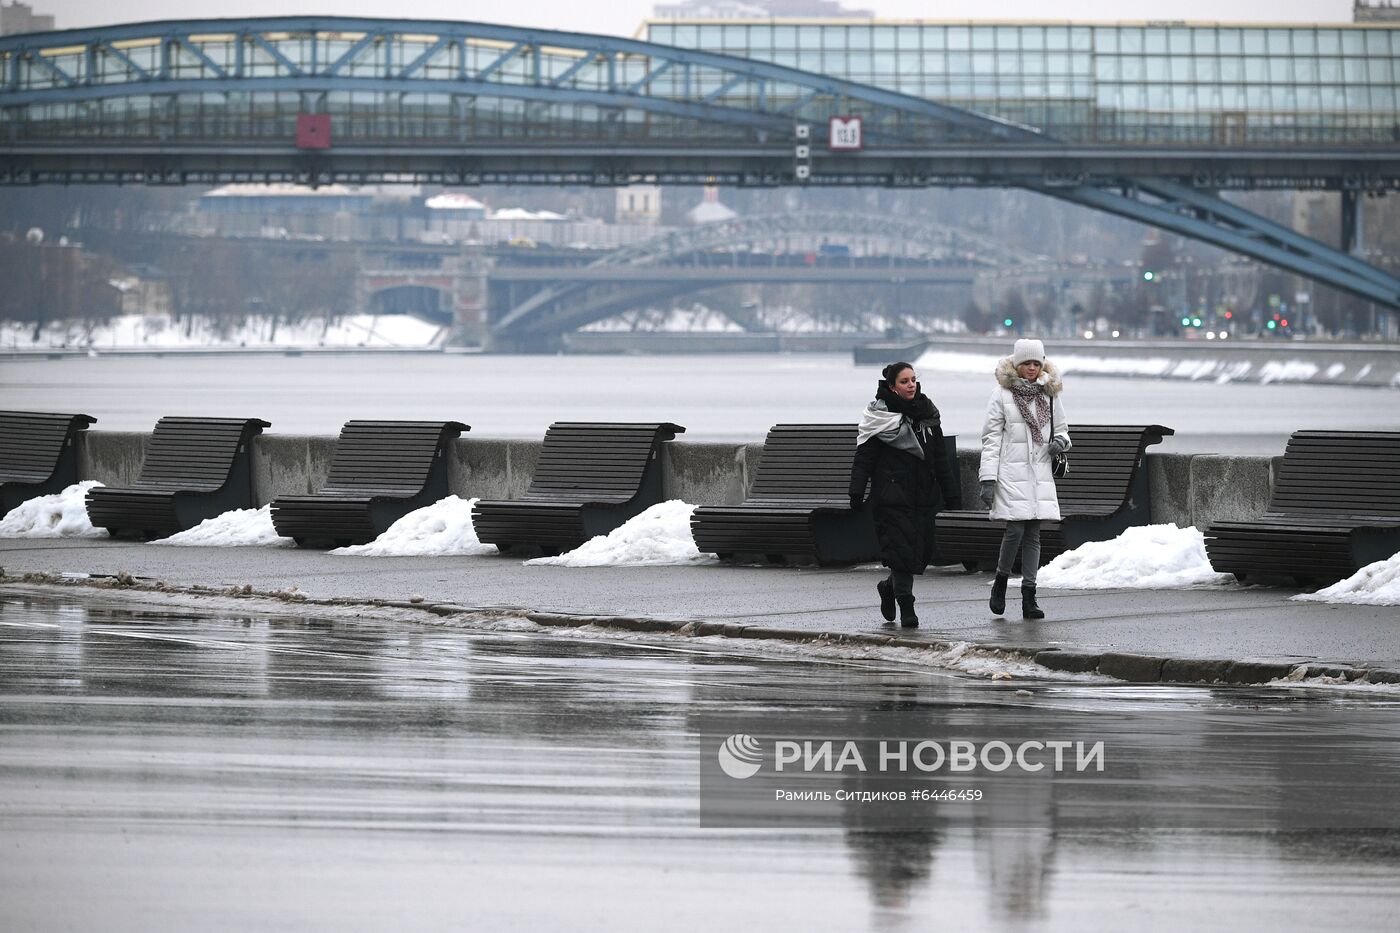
(906, 491)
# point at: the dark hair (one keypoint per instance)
(891, 372)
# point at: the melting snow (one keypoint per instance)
(660, 535)
(238, 528)
(61, 515)
(1145, 557)
(443, 528)
(1375, 584)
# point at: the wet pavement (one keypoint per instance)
(166, 769)
(1230, 622)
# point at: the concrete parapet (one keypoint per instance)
(1224, 488)
(491, 468)
(1169, 479)
(113, 458)
(709, 474)
(1186, 489)
(969, 462)
(752, 454)
(280, 467)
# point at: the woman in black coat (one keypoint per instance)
(900, 453)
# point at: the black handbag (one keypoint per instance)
(1059, 463)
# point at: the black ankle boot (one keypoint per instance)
(998, 601)
(907, 619)
(886, 591)
(1029, 609)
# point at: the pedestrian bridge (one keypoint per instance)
(317, 100)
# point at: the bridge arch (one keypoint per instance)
(917, 246)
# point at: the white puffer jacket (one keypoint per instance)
(1021, 467)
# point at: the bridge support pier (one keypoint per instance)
(1353, 222)
(469, 296)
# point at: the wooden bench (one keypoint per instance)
(798, 508)
(38, 454)
(590, 478)
(1335, 508)
(381, 471)
(1105, 493)
(195, 468)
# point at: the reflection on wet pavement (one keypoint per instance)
(173, 771)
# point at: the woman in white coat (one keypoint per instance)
(1025, 426)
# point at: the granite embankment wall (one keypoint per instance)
(1187, 489)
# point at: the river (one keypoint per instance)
(716, 397)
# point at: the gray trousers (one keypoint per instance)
(1025, 538)
(903, 583)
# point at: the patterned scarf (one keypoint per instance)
(1023, 391)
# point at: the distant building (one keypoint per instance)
(639, 204)
(19, 17)
(757, 9)
(709, 210)
(455, 206)
(1375, 11)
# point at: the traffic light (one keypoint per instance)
(1148, 275)
(1008, 322)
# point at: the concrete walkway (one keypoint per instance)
(1133, 634)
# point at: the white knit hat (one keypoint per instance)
(1027, 349)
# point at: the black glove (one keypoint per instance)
(988, 492)
(857, 503)
(1058, 445)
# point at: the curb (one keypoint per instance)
(1131, 668)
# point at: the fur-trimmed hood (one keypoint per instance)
(1049, 376)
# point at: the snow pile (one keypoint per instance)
(436, 530)
(1375, 584)
(1146, 557)
(138, 331)
(238, 528)
(61, 515)
(1287, 371)
(660, 535)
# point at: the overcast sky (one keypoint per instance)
(621, 17)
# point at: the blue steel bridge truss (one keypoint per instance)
(215, 101)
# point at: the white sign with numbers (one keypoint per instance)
(845, 133)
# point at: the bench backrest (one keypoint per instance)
(1347, 472)
(1103, 463)
(195, 453)
(805, 462)
(597, 459)
(32, 441)
(388, 454)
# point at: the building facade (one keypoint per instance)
(20, 17)
(1112, 83)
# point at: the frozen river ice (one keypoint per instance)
(718, 397)
(161, 769)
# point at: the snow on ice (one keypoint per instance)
(137, 331)
(436, 530)
(61, 515)
(660, 535)
(1150, 557)
(1375, 584)
(238, 528)
(1217, 369)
